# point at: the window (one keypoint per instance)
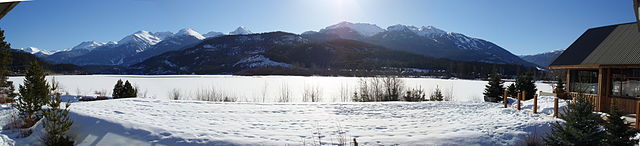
(584, 81)
(625, 82)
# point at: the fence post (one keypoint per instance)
(535, 104)
(519, 96)
(555, 107)
(638, 117)
(505, 99)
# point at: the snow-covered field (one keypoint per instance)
(166, 122)
(257, 88)
(158, 121)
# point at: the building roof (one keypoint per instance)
(608, 45)
(7, 5)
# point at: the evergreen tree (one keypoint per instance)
(57, 123)
(117, 90)
(494, 90)
(6, 87)
(128, 90)
(581, 126)
(33, 94)
(512, 90)
(559, 86)
(436, 95)
(526, 83)
(618, 133)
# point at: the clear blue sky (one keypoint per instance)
(522, 27)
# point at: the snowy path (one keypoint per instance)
(162, 122)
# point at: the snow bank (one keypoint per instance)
(163, 122)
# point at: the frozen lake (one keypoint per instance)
(256, 88)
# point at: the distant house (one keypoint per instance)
(604, 64)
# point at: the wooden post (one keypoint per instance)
(519, 96)
(638, 117)
(505, 99)
(555, 107)
(535, 104)
(524, 95)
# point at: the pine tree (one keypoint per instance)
(618, 133)
(526, 83)
(436, 95)
(129, 90)
(57, 123)
(33, 94)
(512, 90)
(581, 126)
(117, 90)
(494, 90)
(6, 87)
(559, 86)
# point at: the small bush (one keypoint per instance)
(174, 94)
(415, 95)
(311, 94)
(57, 124)
(436, 95)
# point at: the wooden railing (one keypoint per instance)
(589, 97)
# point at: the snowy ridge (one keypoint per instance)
(422, 31)
(240, 31)
(362, 28)
(89, 45)
(189, 32)
(34, 50)
(140, 37)
(212, 34)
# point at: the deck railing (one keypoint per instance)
(589, 97)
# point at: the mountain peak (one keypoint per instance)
(190, 32)
(422, 31)
(140, 36)
(364, 29)
(34, 50)
(240, 31)
(89, 45)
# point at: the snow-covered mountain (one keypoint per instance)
(425, 40)
(130, 49)
(543, 59)
(213, 34)
(362, 28)
(90, 45)
(189, 32)
(240, 31)
(35, 51)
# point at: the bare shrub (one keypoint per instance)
(311, 94)
(174, 94)
(264, 91)
(102, 92)
(285, 93)
(375, 89)
(345, 94)
(212, 94)
(448, 94)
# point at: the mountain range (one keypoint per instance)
(543, 59)
(166, 52)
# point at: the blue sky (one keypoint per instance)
(522, 27)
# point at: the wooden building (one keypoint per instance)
(604, 65)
